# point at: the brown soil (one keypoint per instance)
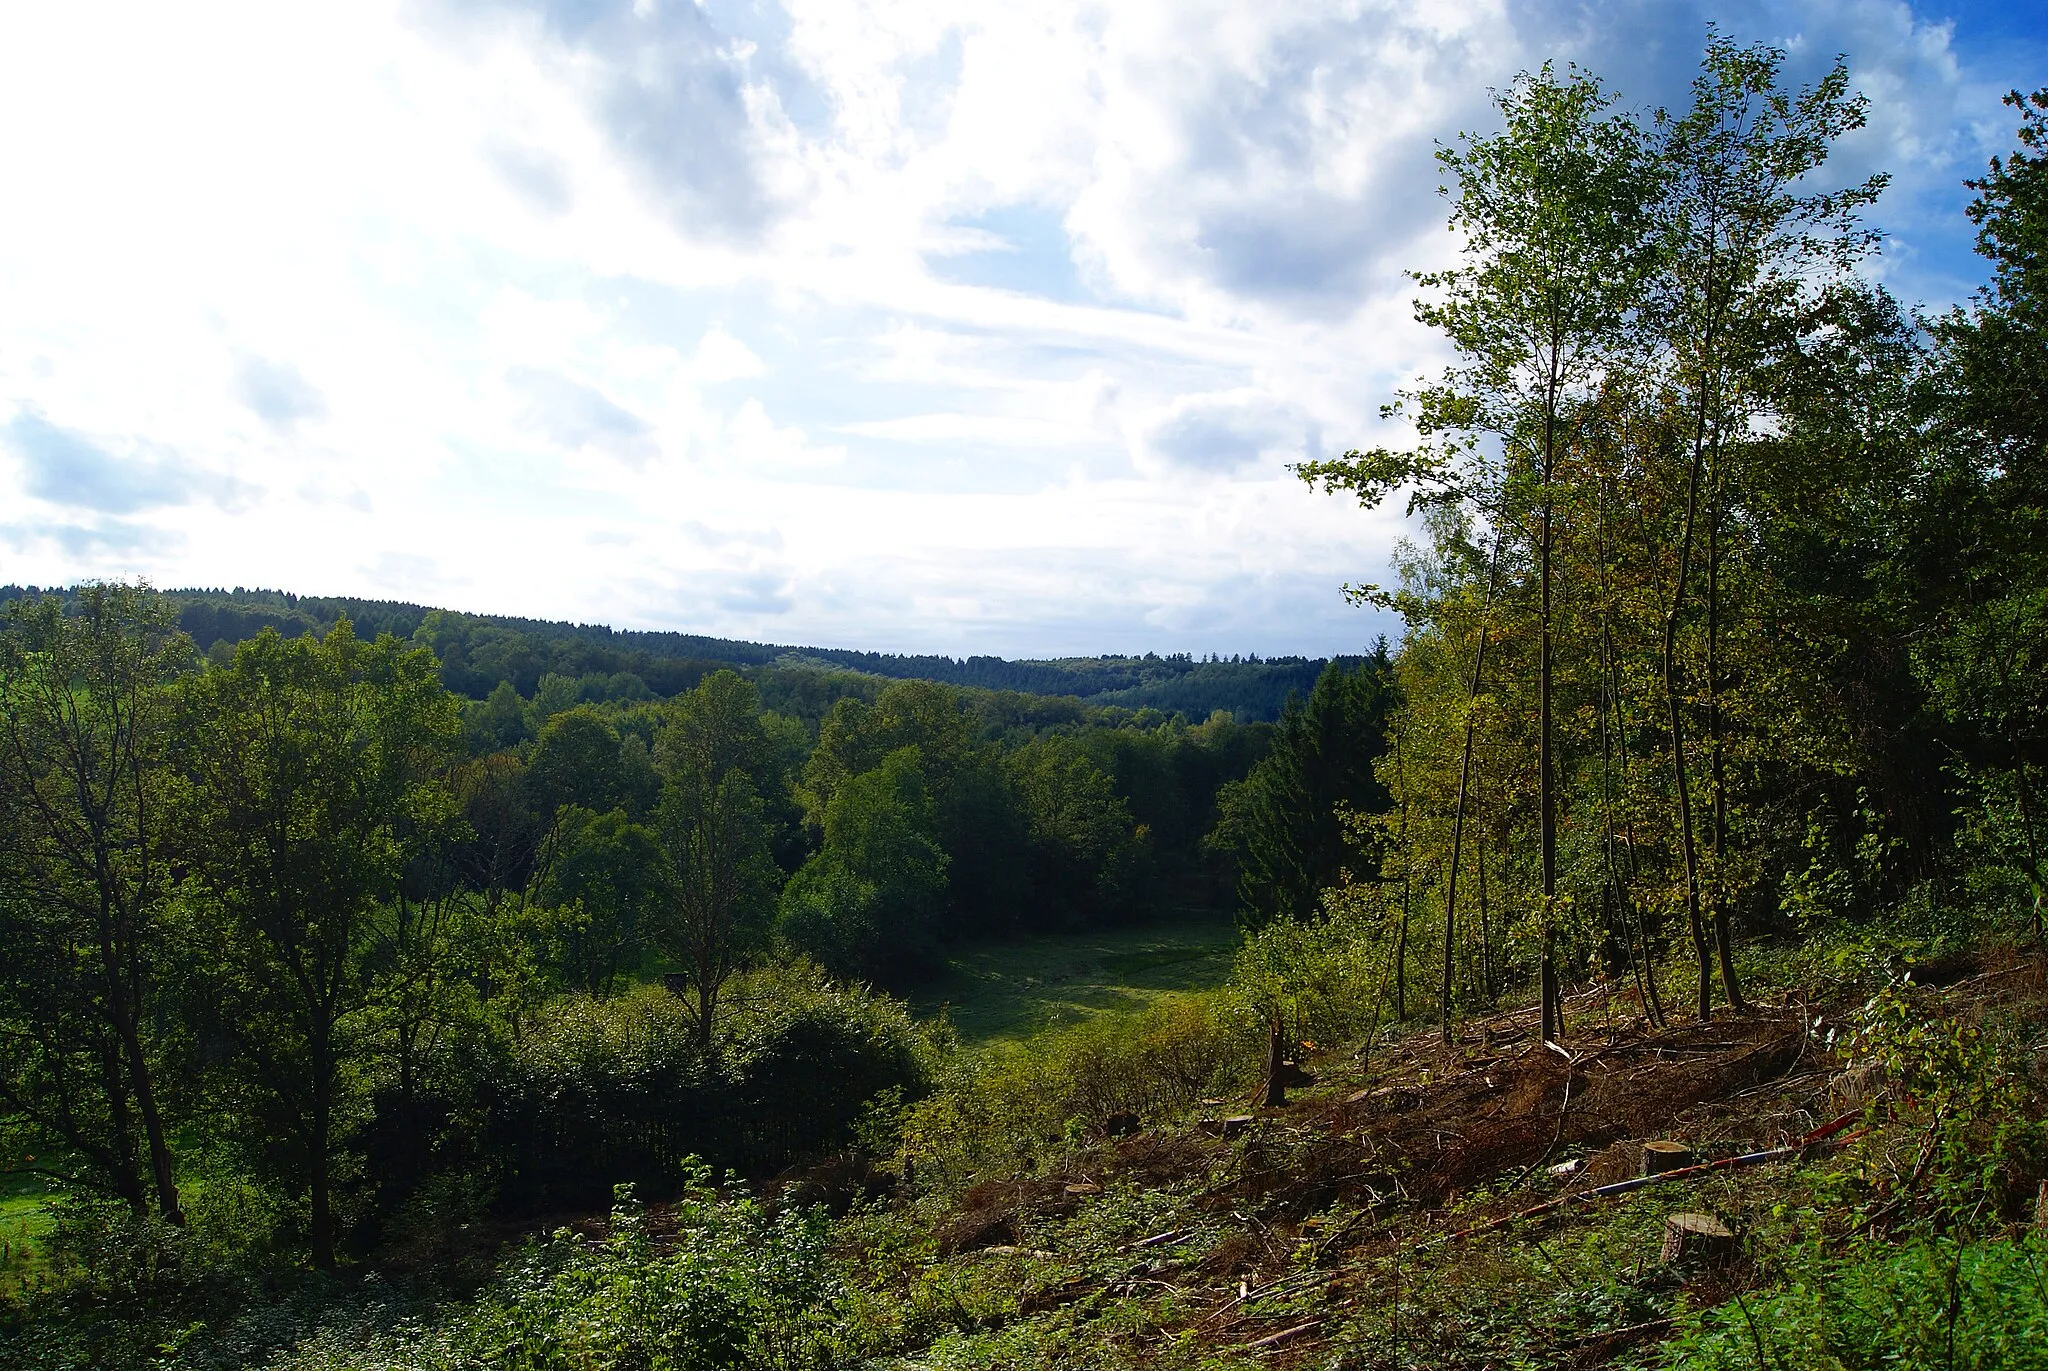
(1424, 1124)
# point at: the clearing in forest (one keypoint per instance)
(1016, 988)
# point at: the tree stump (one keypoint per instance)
(1121, 1125)
(1699, 1240)
(1659, 1157)
(1276, 1076)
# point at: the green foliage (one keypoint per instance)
(1972, 1306)
(313, 783)
(608, 876)
(85, 876)
(575, 762)
(601, 1091)
(1281, 822)
(867, 903)
(1019, 1102)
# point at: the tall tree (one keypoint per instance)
(84, 876)
(1984, 525)
(1283, 820)
(722, 880)
(313, 776)
(1552, 213)
(1741, 241)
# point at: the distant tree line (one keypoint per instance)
(479, 652)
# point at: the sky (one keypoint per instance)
(933, 326)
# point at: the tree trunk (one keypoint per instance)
(1276, 1081)
(1485, 936)
(125, 1165)
(1675, 721)
(1724, 937)
(1464, 788)
(319, 1179)
(1407, 885)
(161, 1170)
(1546, 782)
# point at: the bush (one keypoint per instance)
(1975, 1307)
(607, 1091)
(1010, 1101)
(731, 1289)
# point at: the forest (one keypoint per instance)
(479, 652)
(400, 988)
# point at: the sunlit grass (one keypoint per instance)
(1012, 989)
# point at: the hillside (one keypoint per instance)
(478, 651)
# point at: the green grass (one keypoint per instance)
(1013, 989)
(24, 1218)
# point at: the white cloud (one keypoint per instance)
(904, 325)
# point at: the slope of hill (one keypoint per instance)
(478, 651)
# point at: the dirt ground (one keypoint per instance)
(1427, 1142)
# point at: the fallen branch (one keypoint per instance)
(1774, 1154)
(1285, 1334)
(1156, 1240)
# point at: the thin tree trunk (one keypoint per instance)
(1464, 788)
(1553, 1008)
(1407, 884)
(319, 1187)
(1675, 721)
(2031, 834)
(1485, 942)
(126, 1166)
(1724, 938)
(161, 1169)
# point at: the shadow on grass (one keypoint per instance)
(1013, 989)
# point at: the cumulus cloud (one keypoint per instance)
(1228, 431)
(573, 415)
(277, 393)
(65, 467)
(894, 323)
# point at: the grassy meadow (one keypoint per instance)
(1010, 990)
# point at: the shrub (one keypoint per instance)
(1973, 1307)
(1010, 1101)
(732, 1289)
(601, 1092)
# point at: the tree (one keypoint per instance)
(1552, 213)
(867, 902)
(84, 876)
(1984, 524)
(722, 880)
(1079, 829)
(1282, 820)
(1740, 246)
(313, 776)
(608, 879)
(576, 761)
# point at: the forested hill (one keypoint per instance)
(477, 651)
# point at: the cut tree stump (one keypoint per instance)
(1659, 1157)
(1698, 1239)
(1276, 1074)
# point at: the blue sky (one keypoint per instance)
(923, 326)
